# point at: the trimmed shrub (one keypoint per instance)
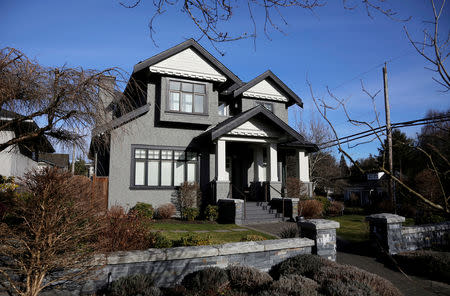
(305, 265)
(191, 213)
(211, 280)
(294, 285)
(165, 211)
(212, 213)
(252, 238)
(188, 196)
(248, 279)
(431, 264)
(338, 288)
(160, 241)
(336, 208)
(289, 231)
(348, 278)
(310, 208)
(138, 284)
(143, 210)
(193, 240)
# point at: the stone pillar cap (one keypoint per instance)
(386, 218)
(319, 224)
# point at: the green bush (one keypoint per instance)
(143, 210)
(138, 284)
(294, 285)
(431, 264)
(191, 213)
(160, 241)
(305, 265)
(193, 240)
(349, 278)
(252, 238)
(428, 218)
(212, 213)
(325, 202)
(243, 278)
(209, 281)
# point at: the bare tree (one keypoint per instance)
(434, 47)
(210, 16)
(378, 134)
(60, 103)
(49, 234)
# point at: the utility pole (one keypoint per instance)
(389, 137)
(73, 158)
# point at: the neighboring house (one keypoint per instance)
(18, 159)
(58, 160)
(197, 121)
(364, 192)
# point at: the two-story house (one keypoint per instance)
(197, 121)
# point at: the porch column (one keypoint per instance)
(221, 171)
(260, 169)
(303, 166)
(273, 162)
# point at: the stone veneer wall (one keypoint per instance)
(169, 266)
(387, 229)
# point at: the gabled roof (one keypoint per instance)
(234, 122)
(269, 75)
(190, 43)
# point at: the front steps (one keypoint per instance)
(259, 213)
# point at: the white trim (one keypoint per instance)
(265, 96)
(249, 140)
(189, 74)
(273, 159)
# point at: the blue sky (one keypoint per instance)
(331, 46)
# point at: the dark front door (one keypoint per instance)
(239, 154)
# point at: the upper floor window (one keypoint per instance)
(223, 109)
(268, 106)
(187, 97)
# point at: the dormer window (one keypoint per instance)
(268, 106)
(187, 97)
(223, 109)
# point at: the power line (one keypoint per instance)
(374, 131)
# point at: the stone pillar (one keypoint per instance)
(294, 202)
(386, 230)
(231, 211)
(323, 232)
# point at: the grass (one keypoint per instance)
(353, 228)
(167, 228)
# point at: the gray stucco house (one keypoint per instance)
(197, 121)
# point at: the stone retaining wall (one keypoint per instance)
(169, 266)
(387, 230)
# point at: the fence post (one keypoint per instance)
(386, 229)
(323, 232)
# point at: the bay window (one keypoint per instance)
(159, 167)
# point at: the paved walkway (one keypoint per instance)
(408, 285)
(204, 231)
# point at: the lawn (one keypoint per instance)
(174, 230)
(353, 227)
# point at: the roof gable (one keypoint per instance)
(196, 53)
(274, 82)
(265, 90)
(188, 63)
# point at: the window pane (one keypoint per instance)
(179, 155)
(153, 172)
(191, 172)
(221, 109)
(174, 101)
(175, 85)
(192, 156)
(139, 173)
(139, 153)
(199, 88)
(153, 154)
(166, 173)
(187, 103)
(268, 106)
(179, 173)
(186, 87)
(166, 154)
(198, 104)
